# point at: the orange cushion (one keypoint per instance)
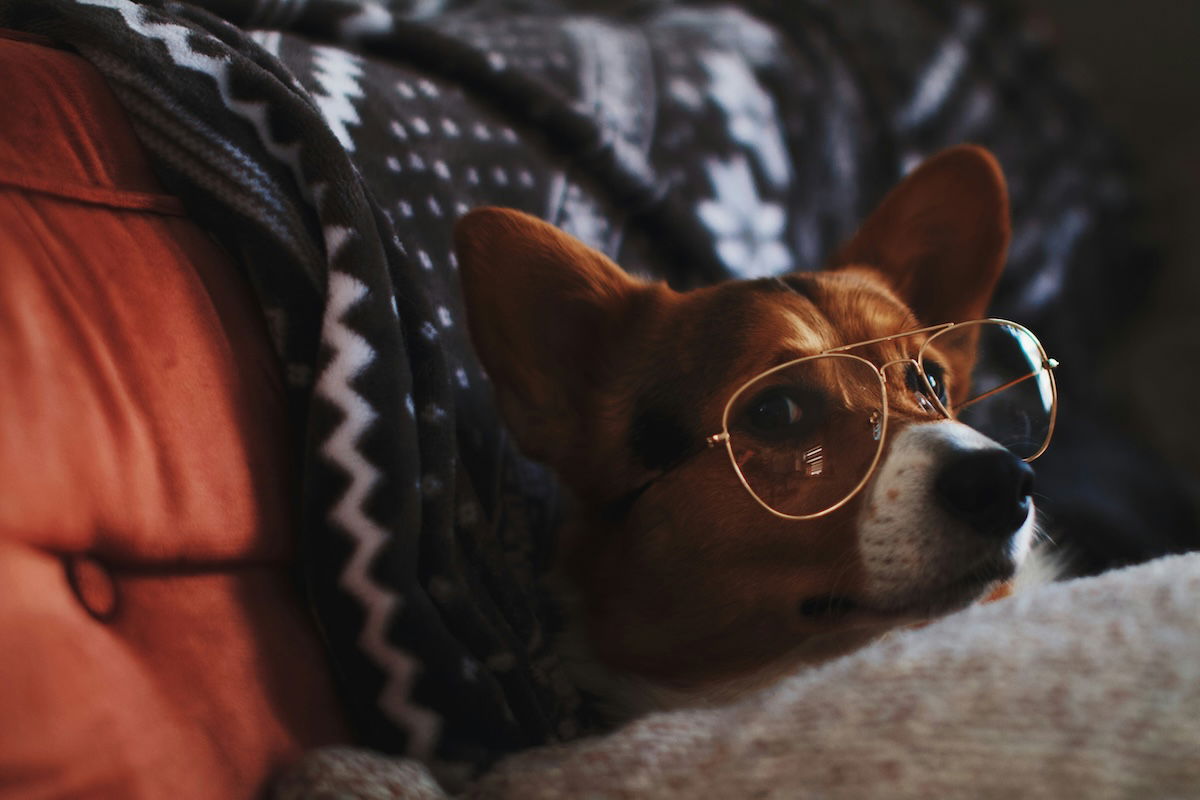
(151, 643)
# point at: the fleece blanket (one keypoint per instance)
(1082, 689)
(329, 144)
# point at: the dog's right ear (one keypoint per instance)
(940, 238)
(546, 314)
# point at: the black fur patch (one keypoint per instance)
(658, 438)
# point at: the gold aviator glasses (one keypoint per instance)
(804, 437)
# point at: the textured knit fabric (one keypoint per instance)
(152, 643)
(330, 145)
(1083, 689)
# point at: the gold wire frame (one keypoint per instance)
(1047, 364)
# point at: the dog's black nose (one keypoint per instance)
(988, 489)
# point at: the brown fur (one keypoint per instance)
(698, 584)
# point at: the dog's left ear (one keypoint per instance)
(548, 316)
(940, 238)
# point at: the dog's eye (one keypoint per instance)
(937, 381)
(936, 386)
(783, 411)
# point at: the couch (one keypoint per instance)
(155, 641)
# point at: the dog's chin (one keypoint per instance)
(919, 602)
(960, 591)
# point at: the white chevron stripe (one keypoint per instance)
(176, 37)
(267, 40)
(351, 355)
(337, 72)
(336, 237)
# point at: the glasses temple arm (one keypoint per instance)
(1051, 364)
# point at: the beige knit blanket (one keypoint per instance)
(1083, 689)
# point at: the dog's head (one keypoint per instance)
(683, 577)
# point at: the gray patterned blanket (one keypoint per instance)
(331, 143)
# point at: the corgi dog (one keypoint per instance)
(769, 473)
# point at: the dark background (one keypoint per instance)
(1140, 64)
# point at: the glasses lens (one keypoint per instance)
(1009, 396)
(806, 436)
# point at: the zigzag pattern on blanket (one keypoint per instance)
(330, 148)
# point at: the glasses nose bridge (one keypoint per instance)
(909, 361)
(906, 360)
(922, 400)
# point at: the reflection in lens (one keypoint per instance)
(1008, 393)
(805, 437)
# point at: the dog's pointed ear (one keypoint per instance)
(546, 314)
(940, 238)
